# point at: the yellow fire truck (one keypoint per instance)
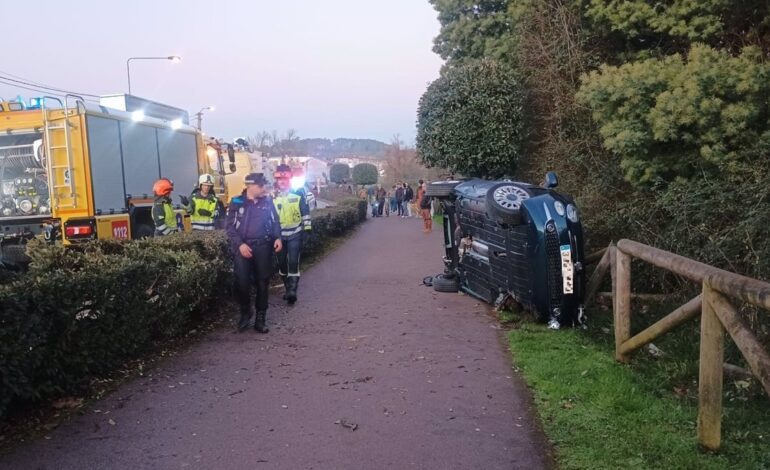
(75, 171)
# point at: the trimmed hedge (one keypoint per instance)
(81, 312)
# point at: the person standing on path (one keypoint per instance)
(408, 198)
(203, 204)
(254, 231)
(381, 193)
(424, 202)
(400, 199)
(294, 214)
(163, 214)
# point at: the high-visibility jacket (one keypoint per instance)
(293, 213)
(164, 216)
(203, 210)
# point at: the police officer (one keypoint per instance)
(254, 231)
(203, 204)
(294, 214)
(162, 211)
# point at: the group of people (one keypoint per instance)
(264, 229)
(402, 201)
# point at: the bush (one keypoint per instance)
(470, 120)
(365, 173)
(339, 173)
(80, 312)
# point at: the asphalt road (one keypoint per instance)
(370, 370)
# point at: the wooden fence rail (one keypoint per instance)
(717, 313)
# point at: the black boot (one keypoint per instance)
(243, 323)
(291, 291)
(285, 286)
(259, 322)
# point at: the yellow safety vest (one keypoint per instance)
(206, 204)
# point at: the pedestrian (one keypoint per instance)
(408, 199)
(254, 230)
(294, 215)
(425, 208)
(163, 214)
(203, 204)
(392, 196)
(381, 193)
(400, 199)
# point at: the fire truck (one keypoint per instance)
(74, 171)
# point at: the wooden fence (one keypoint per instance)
(714, 304)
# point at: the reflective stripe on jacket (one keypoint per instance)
(202, 210)
(164, 216)
(293, 213)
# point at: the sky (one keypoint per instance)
(326, 68)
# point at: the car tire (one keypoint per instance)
(443, 284)
(441, 188)
(144, 231)
(504, 202)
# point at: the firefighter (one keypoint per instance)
(254, 231)
(203, 204)
(162, 211)
(294, 214)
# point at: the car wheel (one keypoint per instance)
(443, 284)
(504, 202)
(144, 231)
(441, 188)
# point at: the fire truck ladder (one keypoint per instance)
(59, 156)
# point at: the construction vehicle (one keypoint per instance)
(73, 171)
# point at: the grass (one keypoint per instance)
(602, 414)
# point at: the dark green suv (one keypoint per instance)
(510, 241)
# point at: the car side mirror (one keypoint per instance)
(551, 180)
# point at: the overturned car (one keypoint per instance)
(508, 242)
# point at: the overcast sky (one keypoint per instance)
(327, 68)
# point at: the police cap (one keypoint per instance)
(256, 178)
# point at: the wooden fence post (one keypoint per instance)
(622, 302)
(712, 347)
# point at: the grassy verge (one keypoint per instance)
(601, 414)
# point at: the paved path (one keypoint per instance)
(424, 378)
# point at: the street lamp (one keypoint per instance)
(199, 114)
(173, 58)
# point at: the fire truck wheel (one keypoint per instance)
(441, 188)
(442, 284)
(144, 231)
(504, 202)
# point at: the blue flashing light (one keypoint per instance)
(35, 103)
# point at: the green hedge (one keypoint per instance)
(81, 312)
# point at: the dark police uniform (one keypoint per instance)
(253, 222)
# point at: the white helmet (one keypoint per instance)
(206, 179)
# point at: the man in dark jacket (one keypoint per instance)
(381, 193)
(255, 232)
(400, 199)
(408, 198)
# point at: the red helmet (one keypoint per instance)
(163, 187)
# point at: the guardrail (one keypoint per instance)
(718, 315)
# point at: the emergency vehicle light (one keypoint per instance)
(176, 124)
(35, 103)
(297, 182)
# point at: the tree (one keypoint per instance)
(365, 173)
(339, 173)
(470, 120)
(473, 29)
(679, 117)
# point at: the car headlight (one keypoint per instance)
(7, 211)
(559, 208)
(572, 213)
(43, 210)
